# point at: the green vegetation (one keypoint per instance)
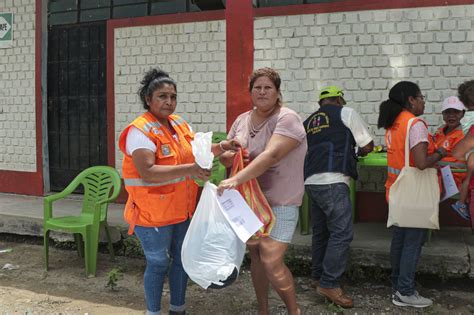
(334, 308)
(113, 276)
(130, 246)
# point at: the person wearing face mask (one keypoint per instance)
(405, 101)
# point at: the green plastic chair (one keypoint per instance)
(218, 171)
(101, 185)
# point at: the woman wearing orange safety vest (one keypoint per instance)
(448, 135)
(448, 140)
(159, 172)
(405, 102)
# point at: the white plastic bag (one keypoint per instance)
(211, 250)
(201, 146)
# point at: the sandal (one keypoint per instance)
(461, 210)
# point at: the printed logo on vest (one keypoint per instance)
(157, 131)
(317, 122)
(165, 150)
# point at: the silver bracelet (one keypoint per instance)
(220, 146)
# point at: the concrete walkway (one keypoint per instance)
(450, 253)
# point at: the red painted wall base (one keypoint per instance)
(23, 183)
(372, 207)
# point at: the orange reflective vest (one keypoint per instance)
(395, 140)
(157, 204)
(449, 141)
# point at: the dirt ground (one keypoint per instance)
(64, 289)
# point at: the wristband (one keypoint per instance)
(220, 146)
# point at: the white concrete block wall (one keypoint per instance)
(367, 52)
(195, 56)
(17, 90)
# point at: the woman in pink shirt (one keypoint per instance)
(275, 140)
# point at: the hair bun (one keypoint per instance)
(157, 73)
(161, 73)
(152, 74)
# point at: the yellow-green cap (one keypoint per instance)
(331, 91)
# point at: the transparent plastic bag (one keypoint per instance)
(212, 253)
(201, 146)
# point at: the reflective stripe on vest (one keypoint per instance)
(150, 125)
(452, 164)
(134, 182)
(177, 122)
(393, 170)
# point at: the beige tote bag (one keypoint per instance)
(413, 200)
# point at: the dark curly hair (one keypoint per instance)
(466, 94)
(269, 73)
(153, 80)
(397, 101)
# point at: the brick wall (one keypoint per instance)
(193, 53)
(17, 90)
(366, 52)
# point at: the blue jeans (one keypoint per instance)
(161, 244)
(405, 252)
(331, 219)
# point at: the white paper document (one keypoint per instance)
(450, 188)
(241, 218)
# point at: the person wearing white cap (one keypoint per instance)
(447, 136)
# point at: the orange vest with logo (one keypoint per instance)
(157, 204)
(395, 140)
(449, 141)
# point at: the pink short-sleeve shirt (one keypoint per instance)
(282, 183)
